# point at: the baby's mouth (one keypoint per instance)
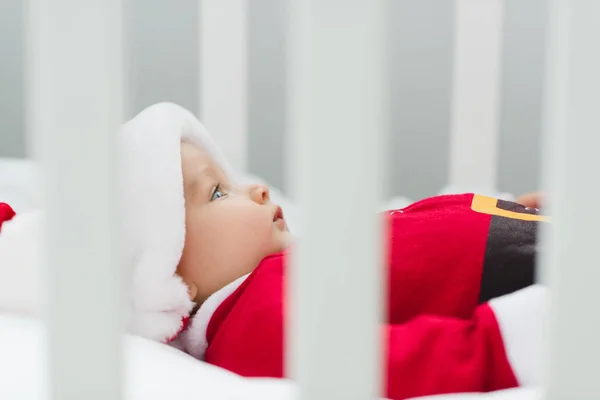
(278, 218)
(278, 214)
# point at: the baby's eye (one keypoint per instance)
(217, 193)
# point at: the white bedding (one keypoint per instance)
(153, 371)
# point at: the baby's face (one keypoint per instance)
(229, 229)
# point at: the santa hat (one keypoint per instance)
(154, 215)
(153, 225)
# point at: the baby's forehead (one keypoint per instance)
(198, 167)
(196, 159)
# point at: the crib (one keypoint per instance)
(339, 73)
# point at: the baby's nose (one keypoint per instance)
(259, 193)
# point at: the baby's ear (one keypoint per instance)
(191, 286)
(192, 290)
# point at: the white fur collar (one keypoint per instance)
(193, 340)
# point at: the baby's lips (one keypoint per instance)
(278, 214)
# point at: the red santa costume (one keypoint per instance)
(442, 334)
(464, 312)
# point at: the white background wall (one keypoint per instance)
(164, 67)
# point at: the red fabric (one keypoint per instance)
(427, 355)
(438, 340)
(435, 355)
(436, 249)
(6, 213)
(245, 334)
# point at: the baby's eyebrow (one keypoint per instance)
(190, 189)
(200, 186)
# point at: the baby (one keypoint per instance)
(463, 311)
(207, 252)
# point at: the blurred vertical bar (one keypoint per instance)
(75, 108)
(476, 94)
(223, 83)
(338, 87)
(572, 134)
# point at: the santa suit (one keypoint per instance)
(447, 257)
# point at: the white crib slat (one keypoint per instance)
(223, 76)
(337, 120)
(476, 94)
(572, 126)
(75, 88)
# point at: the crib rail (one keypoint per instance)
(338, 121)
(222, 30)
(571, 129)
(76, 105)
(476, 84)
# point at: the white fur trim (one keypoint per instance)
(521, 318)
(20, 264)
(154, 214)
(193, 340)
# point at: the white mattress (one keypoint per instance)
(153, 371)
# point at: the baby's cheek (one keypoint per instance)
(258, 235)
(249, 229)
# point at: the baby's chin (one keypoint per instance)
(283, 240)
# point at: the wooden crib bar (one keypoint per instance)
(337, 120)
(572, 130)
(75, 106)
(223, 29)
(476, 87)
